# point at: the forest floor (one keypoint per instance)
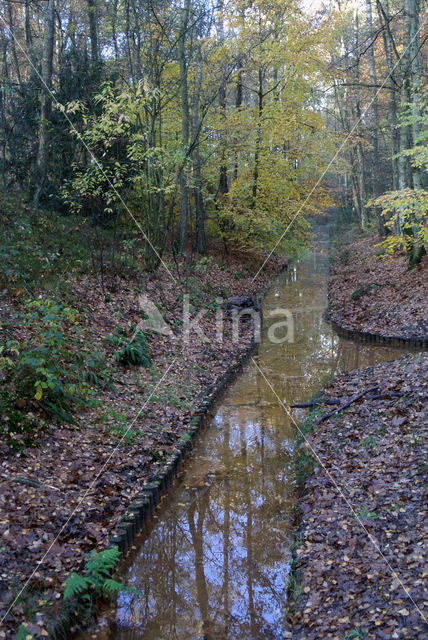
(361, 570)
(371, 294)
(63, 491)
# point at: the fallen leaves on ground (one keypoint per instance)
(371, 294)
(362, 558)
(64, 496)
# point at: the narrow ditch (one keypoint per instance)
(213, 562)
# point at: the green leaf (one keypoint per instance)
(111, 587)
(23, 633)
(75, 585)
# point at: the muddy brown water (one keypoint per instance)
(215, 561)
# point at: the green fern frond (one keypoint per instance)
(111, 587)
(99, 564)
(75, 585)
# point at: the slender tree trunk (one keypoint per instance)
(238, 105)
(113, 28)
(404, 175)
(375, 161)
(201, 243)
(415, 68)
(223, 183)
(258, 141)
(45, 101)
(3, 110)
(128, 40)
(223, 186)
(388, 42)
(137, 40)
(375, 168)
(360, 162)
(92, 14)
(28, 38)
(12, 43)
(184, 196)
(416, 249)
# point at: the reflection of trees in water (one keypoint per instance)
(197, 510)
(209, 571)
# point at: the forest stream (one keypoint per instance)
(215, 561)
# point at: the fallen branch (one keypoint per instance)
(315, 403)
(31, 483)
(386, 396)
(346, 405)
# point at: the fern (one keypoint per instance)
(99, 565)
(111, 587)
(134, 351)
(75, 585)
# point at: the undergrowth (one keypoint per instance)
(51, 371)
(132, 350)
(81, 594)
(303, 462)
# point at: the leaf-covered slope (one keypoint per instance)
(371, 294)
(361, 557)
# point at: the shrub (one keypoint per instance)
(52, 369)
(406, 210)
(36, 247)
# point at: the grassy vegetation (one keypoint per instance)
(303, 467)
(303, 461)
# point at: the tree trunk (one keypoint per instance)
(258, 141)
(184, 197)
(92, 13)
(223, 186)
(45, 101)
(388, 42)
(3, 110)
(416, 249)
(359, 147)
(415, 72)
(404, 176)
(12, 43)
(28, 38)
(238, 105)
(201, 243)
(114, 28)
(374, 106)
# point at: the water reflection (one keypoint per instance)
(215, 562)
